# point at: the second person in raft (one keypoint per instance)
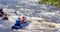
(20, 23)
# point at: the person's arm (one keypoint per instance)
(26, 19)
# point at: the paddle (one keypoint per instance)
(19, 17)
(16, 14)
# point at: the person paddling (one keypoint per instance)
(22, 19)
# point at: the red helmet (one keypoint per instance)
(23, 16)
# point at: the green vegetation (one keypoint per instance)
(52, 2)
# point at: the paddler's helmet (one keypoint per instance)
(23, 16)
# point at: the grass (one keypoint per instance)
(52, 2)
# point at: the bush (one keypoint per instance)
(52, 2)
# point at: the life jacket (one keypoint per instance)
(22, 20)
